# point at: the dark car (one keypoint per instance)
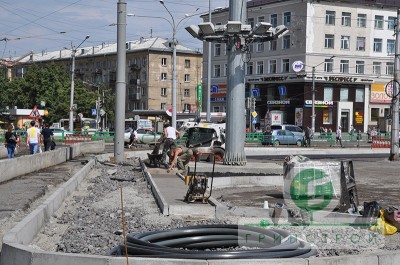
(282, 137)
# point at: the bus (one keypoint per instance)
(138, 124)
(88, 124)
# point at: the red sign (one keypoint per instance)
(35, 113)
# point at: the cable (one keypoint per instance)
(195, 242)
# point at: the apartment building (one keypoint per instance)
(349, 43)
(148, 71)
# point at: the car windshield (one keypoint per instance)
(199, 136)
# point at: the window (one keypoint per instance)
(186, 92)
(163, 76)
(360, 45)
(390, 68)
(344, 66)
(328, 66)
(345, 42)
(217, 70)
(249, 68)
(164, 91)
(163, 106)
(287, 17)
(260, 67)
(285, 65)
(186, 107)
(377, 45)
(378, 22)
(360, 67)
(187, 78)
(391, 23)
(329, 41)
(260, 46)
(327, 116)
(216, 109)
(217, 49)
(187, 63)
(250, 21)
(272, 45)
(260, 19)
(274, 20)
(376, 68)
(272, 66)
(225, 69)
(391, 46)
(344, 94)
(346, 19)
(164, 61)
(330, 17)
(360, 94)
(328, 93)
(374, 114)
(362, 20)
(286, 42)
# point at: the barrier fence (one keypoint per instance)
(378, 142)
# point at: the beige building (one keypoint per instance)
(350, 44)
(148, 71)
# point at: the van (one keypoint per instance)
(296, 130)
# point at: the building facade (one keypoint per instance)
(148, 71)
(349, 44)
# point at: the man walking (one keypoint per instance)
(308, 136)
(47, 135)
(339, 136)
(33, 138)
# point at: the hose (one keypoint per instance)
(204, 242)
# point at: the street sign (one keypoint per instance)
(35, 113)
(214, 89)
(254, 120)
(256, 92)
(94, 112)
(282, 90)
(254, 114)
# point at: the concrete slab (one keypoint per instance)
(353, 260)
(259, 262)
(250, 169)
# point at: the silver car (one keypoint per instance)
(282, 137)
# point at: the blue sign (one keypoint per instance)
(94, 112)
(254, 120)
(256, 92)
(282, 90)
(218, 99)
(214, 89)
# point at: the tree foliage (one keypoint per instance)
(51, 84)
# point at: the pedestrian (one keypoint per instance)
(181, 156)
(308, 136)
(33, 138)
(11, 141)
(47, 137)
(133, 138)
(169, 138)
(339, 136)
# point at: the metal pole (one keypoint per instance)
(236, 114)
(394, 146)
(313, 101)
(71, 104)
(173, 76)
(120, 88)
(208, 92)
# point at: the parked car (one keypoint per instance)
(293, 128)
(282, 137)
(144, 136)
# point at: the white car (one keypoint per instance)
(59, 133)
(144, 136)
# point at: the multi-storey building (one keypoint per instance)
(349, 43)
(148, 71)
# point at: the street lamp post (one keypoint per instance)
(71, 105)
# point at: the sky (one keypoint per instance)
(51, 25)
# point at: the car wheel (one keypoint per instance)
(299, 143)
(276, 143)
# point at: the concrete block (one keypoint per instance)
(345, 260)
(14, 254)
(198, 211)
(154, 261)
(389, 258)
(292, 261)
(41, 258)
(160, 200)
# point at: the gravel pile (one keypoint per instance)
(90, 221)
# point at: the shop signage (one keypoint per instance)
(278, 102)
(378, 94)
(297, 66)
(359, 117)
(275, 78)
(298, 117)
(343, 79)
(320, 102)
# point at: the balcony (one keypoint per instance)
(134, 82)
(134, 67)
(135, 96)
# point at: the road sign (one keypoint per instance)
(254, 120)
(94, 112)
(256, 92)
(35, 113)
(282, 90)
(254, 114)
(214, 89)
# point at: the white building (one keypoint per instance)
(350, 43)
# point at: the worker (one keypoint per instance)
(180, 156)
